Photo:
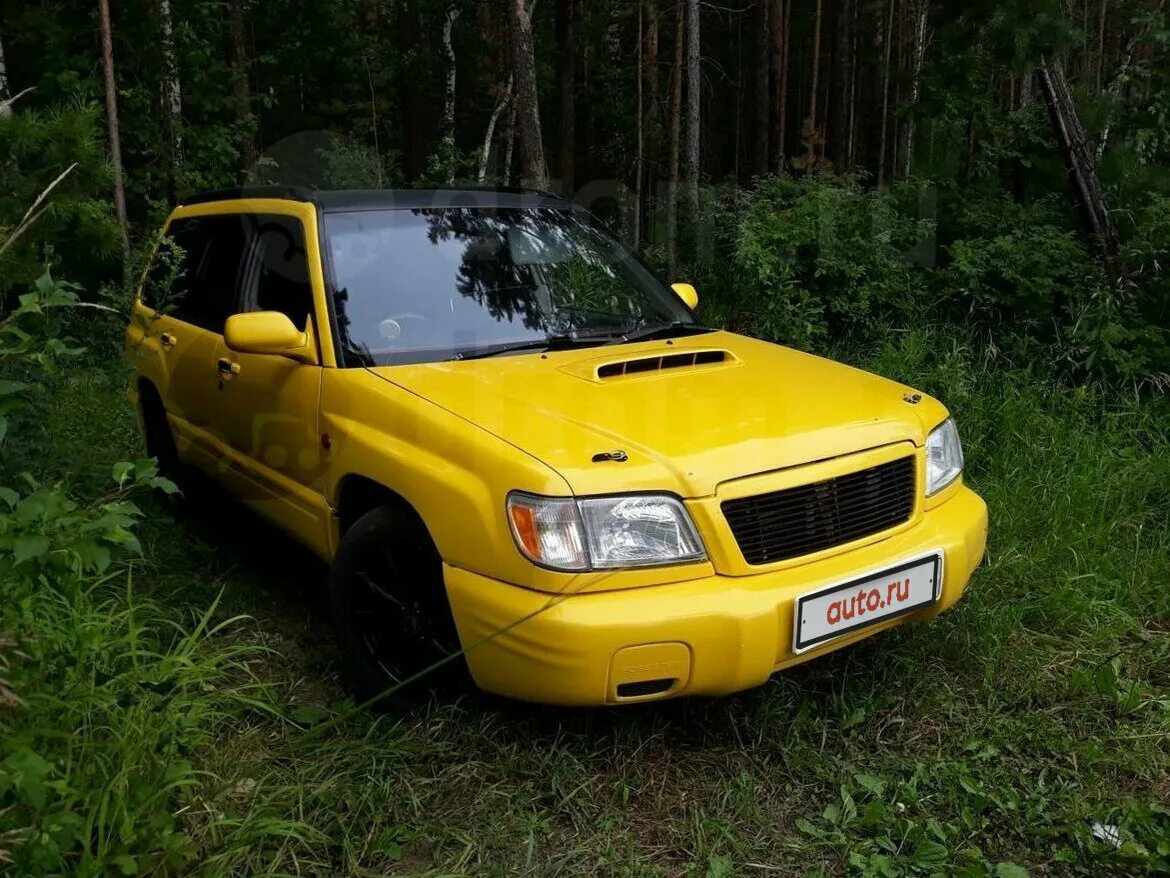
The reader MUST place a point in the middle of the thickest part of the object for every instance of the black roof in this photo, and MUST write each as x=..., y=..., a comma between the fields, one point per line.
x=330, y=200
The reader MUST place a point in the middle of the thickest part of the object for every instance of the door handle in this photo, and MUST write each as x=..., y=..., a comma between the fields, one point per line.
x=168, y=340
x=227, y=367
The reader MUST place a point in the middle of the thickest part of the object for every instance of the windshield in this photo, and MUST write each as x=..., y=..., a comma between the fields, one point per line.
x=424, y=285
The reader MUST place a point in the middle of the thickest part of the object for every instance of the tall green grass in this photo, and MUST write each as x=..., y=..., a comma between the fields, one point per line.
x=162, y=734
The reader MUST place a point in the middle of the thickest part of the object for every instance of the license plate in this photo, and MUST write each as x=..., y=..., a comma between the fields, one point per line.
x=839, y=609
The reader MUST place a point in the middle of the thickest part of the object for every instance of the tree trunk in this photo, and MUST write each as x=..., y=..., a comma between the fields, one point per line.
x=449, y=103
x=641, y=138
x=921, y=14
x=811, y=122
x=652, y=111
x=1114, y=93
x=763, y=91
x=888, y=39
x=510, y=151
x=837, y=144
x=1104, y=17
x=112, y=125
x=851, y=139
x=533, y=171
x=4, y=92
x=571, y=10
x=172, y=91
x=240, y=88
x=1078, y=157
x=776, y=59
x=504, y=100
x=694, y=118
x=782, y=87
x=676, y=88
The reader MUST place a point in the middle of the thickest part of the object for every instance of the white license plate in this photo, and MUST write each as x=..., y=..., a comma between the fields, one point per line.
x=839, y=609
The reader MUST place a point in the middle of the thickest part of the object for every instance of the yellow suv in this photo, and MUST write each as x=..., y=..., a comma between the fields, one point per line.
x=507, y=435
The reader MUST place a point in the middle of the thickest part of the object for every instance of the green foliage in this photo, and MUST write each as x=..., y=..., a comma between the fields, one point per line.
x=817, y=256
x=1014, y=264
x=78, y=232
x=30, y=343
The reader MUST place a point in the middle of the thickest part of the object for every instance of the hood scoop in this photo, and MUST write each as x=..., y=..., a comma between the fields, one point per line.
x=681, y=360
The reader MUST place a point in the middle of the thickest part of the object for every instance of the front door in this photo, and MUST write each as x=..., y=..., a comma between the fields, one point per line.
x=268, y=404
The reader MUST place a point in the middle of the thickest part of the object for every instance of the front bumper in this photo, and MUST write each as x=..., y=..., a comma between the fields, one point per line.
x=712, y=636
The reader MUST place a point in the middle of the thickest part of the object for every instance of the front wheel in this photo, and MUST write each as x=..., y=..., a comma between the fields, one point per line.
x=390, y=607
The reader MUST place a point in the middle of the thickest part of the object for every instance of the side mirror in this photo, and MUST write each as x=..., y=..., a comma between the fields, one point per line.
x=267, y=332
x=688, y=294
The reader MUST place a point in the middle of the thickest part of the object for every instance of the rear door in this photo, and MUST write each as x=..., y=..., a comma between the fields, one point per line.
x=187, y=310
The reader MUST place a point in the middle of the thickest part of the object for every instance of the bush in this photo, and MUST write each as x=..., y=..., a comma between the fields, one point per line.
x=818, y=257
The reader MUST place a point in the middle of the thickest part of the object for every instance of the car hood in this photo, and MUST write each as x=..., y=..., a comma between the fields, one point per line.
x=687, y=414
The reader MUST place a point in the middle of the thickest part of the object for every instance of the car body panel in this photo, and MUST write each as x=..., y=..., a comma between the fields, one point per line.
x=685, y=430
x=736, y=631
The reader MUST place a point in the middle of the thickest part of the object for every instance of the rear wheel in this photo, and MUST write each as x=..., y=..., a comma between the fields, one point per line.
x=390, y=606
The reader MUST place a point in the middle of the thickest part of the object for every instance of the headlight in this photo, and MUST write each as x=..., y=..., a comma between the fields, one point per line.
x=603, y=533
x=944, y=457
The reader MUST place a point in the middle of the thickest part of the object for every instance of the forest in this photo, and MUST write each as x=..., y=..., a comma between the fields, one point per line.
x=972, y=198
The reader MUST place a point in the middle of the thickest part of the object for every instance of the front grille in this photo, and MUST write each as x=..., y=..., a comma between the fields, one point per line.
x=811, y=518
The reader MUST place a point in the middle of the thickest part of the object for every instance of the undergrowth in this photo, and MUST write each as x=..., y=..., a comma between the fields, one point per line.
x=181, y=712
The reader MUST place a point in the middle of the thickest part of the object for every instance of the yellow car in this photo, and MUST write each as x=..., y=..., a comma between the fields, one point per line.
x=506, y=435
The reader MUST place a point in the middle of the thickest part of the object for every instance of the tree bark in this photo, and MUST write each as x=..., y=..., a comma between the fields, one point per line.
x=172, y=91
x=571, y=11
x=4, y=92
x=837, y=142
x=676, y=89
x=449, y=103
x=533, y=171
x=240, y=88
x=888, y=39
x=111, y=89
x=1078, y=157
x=694, y=118
x=763, y=91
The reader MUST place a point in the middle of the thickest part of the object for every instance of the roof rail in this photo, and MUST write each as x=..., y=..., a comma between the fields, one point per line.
x=287, y=193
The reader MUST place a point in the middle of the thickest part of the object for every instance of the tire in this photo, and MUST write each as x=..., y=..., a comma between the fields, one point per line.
x=160, y=442
x=390, y=608
x=195, y=489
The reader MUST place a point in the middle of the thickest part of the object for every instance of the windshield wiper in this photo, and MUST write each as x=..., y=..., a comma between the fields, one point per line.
x=663, y=330
x=557, y=342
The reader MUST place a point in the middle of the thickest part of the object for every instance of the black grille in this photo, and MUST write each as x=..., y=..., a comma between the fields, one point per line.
x=812, y=518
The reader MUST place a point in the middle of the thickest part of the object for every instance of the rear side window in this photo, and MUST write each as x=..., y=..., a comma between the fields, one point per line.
x=278, y=274
x=204, y=284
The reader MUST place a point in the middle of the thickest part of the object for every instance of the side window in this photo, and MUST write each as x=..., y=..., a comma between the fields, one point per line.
x=204, y=290
x=278, y=275
x=168, y=281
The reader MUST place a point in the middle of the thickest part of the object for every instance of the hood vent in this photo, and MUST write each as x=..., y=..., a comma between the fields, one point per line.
x=657, y=364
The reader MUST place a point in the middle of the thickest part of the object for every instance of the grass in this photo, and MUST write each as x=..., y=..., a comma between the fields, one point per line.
x=987, y=743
